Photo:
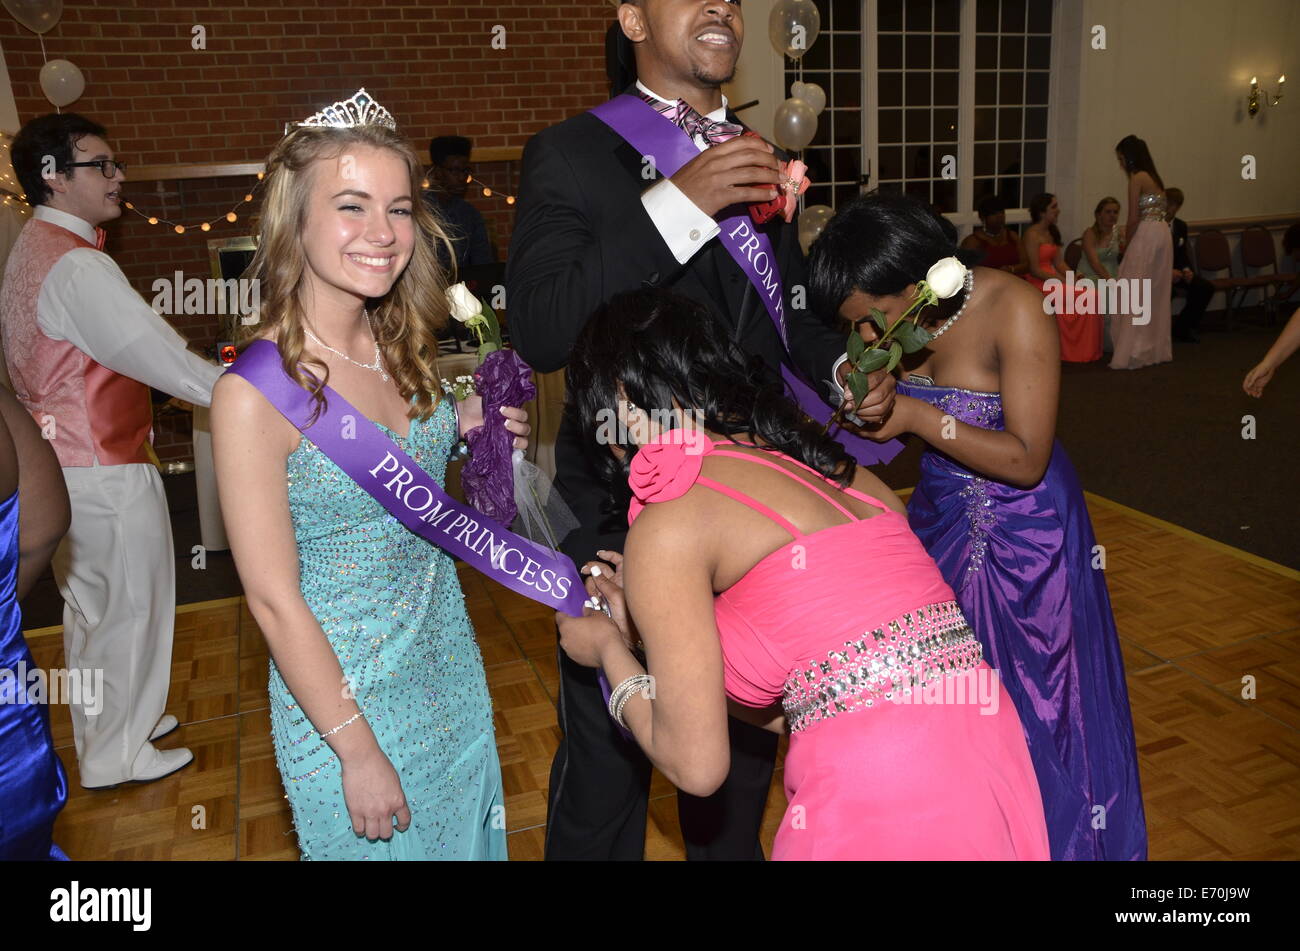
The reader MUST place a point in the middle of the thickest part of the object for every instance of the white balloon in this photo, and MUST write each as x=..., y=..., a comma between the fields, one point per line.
x=794, y=26
x=814, y=95
x=37, y=15
x=812, y=222
x=797, y=91
x=795, y=124
x=62, y=82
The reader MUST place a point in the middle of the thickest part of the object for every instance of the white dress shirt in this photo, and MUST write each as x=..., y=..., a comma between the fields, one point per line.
x=684, y=227
x=87, y=301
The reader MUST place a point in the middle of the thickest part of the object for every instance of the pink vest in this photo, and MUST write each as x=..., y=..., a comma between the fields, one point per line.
x=95, y=413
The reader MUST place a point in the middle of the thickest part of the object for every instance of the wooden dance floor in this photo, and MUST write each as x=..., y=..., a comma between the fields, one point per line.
x=1220, y=773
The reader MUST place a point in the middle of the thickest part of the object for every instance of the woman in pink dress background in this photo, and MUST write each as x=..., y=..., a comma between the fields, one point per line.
x=1143, y=336
x=773, y=580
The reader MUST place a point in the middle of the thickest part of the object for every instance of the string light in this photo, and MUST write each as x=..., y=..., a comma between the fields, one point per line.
x=179, y=228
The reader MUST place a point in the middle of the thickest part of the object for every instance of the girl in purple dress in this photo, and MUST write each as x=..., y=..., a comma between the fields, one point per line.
x=1000, y=509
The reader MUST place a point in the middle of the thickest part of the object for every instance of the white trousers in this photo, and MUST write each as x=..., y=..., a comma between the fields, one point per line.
x=116, y=571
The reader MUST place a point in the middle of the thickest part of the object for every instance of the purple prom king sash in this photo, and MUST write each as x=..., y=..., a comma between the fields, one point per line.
x=413, y=497
x=651, y=133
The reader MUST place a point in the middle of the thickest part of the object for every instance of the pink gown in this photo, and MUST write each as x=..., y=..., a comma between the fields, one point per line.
x=1144, y=339
x=903, y=743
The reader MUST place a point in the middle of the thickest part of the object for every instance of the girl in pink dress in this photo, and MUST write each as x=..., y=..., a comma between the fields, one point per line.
x=770, y=578
x=1144, y=336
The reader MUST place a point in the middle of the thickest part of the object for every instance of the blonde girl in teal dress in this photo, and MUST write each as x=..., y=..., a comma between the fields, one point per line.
x=380, y=710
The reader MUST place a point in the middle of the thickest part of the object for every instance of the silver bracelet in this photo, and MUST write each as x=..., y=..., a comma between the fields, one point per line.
x=350, y=720
x=621, y=694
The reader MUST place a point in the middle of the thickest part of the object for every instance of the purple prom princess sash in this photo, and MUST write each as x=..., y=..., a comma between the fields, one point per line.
x=651, y=133
x=412, y=496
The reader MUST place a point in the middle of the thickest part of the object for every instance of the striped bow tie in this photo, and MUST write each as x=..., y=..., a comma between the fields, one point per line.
x=689, y=120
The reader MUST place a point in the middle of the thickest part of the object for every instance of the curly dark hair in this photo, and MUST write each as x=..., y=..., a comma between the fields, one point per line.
x=658, y=350
x=55, y=135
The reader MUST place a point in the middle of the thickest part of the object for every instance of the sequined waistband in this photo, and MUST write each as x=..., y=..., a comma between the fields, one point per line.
x=908, y=652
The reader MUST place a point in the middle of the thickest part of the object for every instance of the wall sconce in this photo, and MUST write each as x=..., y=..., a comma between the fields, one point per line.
x=1253, y=100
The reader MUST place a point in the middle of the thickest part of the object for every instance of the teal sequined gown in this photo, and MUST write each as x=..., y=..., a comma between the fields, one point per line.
x=391, y=605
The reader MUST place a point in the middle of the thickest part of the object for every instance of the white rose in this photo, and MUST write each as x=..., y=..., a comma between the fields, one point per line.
x=946, y=277
x=464, y=305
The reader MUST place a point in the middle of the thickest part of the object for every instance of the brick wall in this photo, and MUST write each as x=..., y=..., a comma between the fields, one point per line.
x=431, y=64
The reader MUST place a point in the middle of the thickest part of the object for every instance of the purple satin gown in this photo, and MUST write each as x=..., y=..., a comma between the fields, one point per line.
x=1020, y=562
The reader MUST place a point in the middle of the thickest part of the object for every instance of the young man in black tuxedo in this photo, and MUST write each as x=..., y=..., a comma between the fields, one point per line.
x=595, y=219
x=1198, y=290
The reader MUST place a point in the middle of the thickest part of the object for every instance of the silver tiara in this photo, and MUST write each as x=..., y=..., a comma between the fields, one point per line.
x=361, y=109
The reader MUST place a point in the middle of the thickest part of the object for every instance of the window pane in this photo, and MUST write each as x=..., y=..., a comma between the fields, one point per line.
x=819, y=167
x=1011, y=87
x=918, y=16
x=986, y=124
x=1036, y=88
x=1035, y=123
x=1013, y=52
x=891, y=125
x=1040, y=18
x=986, y=16
x=918, y=52
x=1035, y=158
x=947, y=52
x=986, y=159
x=846, y=50
x=848, y=125
x=1034, y=186
x=1009, y=123
x=817, y=195
x=919, y=190
x=890, y=89
x=916, y=161
x=889, y=50
x=986, y=89
x=983, y=187
x=889, y=15
x=945, y=125
x=986, y=52
x=845, y=90
x=821, y=79
x=847, y=16
x=947, y=16
x=918, y=88
x=1009, y=158
x=945, y=195
x=918, y=125
x=845, y=194
x=818, y=55
x=1040, y=52
x=891, y=188
x=891, y=162
x=946, y=88
x=848, y=165
x=1013, y=16
x=823, y=134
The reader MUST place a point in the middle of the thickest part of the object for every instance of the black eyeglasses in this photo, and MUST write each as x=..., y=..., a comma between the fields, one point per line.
x=108, y=166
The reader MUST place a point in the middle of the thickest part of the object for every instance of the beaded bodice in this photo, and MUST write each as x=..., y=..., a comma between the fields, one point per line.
x=966, y=406
x=1152, y=207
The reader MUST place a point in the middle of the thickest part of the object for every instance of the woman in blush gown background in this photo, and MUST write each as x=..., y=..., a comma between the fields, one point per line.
x=1144, y=336
x=1000, y=508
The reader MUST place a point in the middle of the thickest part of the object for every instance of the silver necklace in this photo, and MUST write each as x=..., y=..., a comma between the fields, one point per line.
x=969, y=284
x=377, y=366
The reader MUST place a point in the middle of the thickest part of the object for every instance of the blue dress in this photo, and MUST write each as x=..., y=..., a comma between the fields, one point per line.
x=392, y=608
x=33, y=786
x=1022, y=564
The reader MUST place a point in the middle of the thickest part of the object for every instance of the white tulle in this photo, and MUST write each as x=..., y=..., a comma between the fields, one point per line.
x=543, y=517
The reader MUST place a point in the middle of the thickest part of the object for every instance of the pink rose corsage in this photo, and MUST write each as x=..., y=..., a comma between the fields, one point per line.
x=666, y=468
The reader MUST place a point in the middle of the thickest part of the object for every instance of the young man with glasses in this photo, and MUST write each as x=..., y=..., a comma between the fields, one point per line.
x=83, y=348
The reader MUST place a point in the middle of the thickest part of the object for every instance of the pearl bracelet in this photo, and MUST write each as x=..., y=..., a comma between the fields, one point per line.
x=350, y=720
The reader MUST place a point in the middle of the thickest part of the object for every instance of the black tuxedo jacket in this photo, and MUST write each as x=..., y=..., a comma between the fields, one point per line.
x=582, y=236
x=1178, y=227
